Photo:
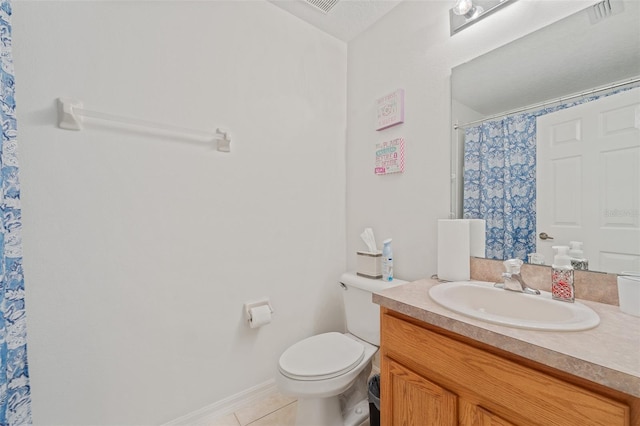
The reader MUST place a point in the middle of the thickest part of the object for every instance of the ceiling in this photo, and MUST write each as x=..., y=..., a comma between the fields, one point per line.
x=345, y=21
x=573, y=55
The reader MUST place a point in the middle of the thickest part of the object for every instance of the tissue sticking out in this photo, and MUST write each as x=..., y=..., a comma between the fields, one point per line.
x=369, y=240
x=369, y=263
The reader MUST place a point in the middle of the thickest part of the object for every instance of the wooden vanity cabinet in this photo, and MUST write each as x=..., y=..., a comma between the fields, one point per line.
x=430, y=376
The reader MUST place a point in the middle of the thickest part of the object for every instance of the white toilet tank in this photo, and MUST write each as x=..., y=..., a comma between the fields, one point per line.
x=363, y=316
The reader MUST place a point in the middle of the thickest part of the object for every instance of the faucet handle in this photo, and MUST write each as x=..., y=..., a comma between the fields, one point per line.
x=513, y=266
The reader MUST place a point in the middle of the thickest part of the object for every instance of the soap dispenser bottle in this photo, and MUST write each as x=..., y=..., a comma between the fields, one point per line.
x=387, y=260
x=578, y=262
x=562, y=287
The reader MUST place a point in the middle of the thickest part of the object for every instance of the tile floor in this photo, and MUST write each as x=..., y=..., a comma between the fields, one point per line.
x=274, y=410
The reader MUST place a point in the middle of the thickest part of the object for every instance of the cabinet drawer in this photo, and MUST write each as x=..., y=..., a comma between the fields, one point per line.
x=512, y=391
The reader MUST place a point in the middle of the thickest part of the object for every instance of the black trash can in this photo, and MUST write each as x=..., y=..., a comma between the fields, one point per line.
x=374, y=400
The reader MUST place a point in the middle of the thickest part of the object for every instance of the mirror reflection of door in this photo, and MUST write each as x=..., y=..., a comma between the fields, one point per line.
x=588, y=181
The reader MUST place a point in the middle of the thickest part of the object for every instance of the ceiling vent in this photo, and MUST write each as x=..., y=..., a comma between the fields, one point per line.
x=604, y=9
x=322, y=5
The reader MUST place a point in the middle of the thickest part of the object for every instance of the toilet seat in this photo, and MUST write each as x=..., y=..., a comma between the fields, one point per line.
x=320, y=357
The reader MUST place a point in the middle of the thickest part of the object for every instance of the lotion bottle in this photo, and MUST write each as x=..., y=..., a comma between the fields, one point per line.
x=387, y=261
x=562, y=287
x=578, y=262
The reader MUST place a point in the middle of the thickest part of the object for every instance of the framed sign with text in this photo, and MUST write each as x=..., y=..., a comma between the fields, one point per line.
x=390, y=110
x=390, y=157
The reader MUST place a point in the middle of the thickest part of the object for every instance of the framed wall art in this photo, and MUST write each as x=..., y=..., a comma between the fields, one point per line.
x=390, y=110
x=390, y=157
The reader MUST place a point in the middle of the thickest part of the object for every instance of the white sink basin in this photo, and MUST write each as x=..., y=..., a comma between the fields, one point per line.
x=482, y=301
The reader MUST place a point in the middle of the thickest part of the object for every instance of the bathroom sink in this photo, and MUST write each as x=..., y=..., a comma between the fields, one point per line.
x=481, y=300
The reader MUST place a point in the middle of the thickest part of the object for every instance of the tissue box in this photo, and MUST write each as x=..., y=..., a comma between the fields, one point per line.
x=369, y=264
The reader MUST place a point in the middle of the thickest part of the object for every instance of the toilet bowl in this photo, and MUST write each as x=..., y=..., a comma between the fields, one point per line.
x=328, y=372
x=339, y=361
x=330, y=375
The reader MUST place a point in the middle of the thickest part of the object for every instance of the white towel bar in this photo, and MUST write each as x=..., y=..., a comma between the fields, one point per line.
x=70, y=113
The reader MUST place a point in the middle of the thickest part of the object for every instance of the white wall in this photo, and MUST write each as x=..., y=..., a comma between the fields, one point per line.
x=411, y=49
x=140, y=250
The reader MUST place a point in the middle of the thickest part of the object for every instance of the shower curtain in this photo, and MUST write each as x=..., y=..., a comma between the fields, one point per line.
x=15, y=399
x=500, y=179
x=500, y=184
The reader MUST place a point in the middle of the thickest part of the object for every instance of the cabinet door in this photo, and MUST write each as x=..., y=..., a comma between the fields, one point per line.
x=516, y=392
x=411, y=400
x=474, y=415
x=487, y=418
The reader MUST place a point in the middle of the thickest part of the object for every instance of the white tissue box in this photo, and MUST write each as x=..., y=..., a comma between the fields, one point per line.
x=369, y=264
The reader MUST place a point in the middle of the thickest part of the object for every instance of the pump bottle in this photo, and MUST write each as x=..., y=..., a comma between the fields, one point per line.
x=577, y=256
x=562, y=287
x=387, y=261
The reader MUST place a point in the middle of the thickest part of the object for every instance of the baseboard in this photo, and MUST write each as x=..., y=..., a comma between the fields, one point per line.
x=228, y=405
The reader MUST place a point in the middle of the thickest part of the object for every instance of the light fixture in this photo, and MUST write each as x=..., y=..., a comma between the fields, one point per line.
x=467, y=9
x=468, y=12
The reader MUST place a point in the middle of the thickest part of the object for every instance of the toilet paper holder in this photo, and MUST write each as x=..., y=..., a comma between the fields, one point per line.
x=250, y=305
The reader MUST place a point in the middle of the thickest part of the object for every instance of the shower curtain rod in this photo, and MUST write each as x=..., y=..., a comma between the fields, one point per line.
x=457, y=126
x=70, y=113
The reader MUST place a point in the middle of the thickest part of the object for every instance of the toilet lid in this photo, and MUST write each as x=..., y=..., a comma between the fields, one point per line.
x=321, y=357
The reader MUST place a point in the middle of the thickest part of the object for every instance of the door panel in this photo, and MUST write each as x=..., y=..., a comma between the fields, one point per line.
x=588, y=181
x=487, y=418
x=416, y=401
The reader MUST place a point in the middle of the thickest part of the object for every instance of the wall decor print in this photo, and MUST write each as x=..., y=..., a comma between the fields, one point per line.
x=390, y=109
x=390, y=157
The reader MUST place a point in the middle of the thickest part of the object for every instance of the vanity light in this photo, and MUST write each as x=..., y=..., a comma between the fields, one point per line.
x=462, y=7
x=467, y=9
x=468, y=12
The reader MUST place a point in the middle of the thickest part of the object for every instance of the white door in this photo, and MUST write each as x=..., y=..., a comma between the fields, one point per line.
x=588, y=181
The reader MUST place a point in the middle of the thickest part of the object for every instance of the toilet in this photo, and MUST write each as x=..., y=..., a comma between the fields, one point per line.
x=320, y=370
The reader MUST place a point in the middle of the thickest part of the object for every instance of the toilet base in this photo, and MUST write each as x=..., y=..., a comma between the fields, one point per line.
x=358, y=414
x=318, y=411
x=327, y=412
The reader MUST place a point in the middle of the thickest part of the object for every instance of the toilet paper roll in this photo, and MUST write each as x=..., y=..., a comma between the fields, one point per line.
x=629, y=294
x=477, y=240
x=453, y=250
x=260, y=315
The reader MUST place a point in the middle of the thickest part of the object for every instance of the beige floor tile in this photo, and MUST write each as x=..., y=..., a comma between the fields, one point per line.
x=229, y=420
x=285, y=416
x=262, y=408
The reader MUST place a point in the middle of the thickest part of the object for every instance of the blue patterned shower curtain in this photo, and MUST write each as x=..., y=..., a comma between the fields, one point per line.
x=500, y=184
x=15, y=398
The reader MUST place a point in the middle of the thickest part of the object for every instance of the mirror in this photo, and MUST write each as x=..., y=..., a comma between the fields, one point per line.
x=586, y=54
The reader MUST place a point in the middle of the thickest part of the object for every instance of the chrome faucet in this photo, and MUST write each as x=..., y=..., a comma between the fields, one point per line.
x=513, y=280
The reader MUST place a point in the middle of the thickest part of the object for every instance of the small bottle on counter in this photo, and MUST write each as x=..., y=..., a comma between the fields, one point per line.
x=578, y=262
x=562, y=287
x=387, y=261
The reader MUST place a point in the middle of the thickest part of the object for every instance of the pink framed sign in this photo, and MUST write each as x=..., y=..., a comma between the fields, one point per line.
x=390, y=110
x=390, y=157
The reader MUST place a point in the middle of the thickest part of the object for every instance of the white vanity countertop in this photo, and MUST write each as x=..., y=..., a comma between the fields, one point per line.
x=608, y=354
